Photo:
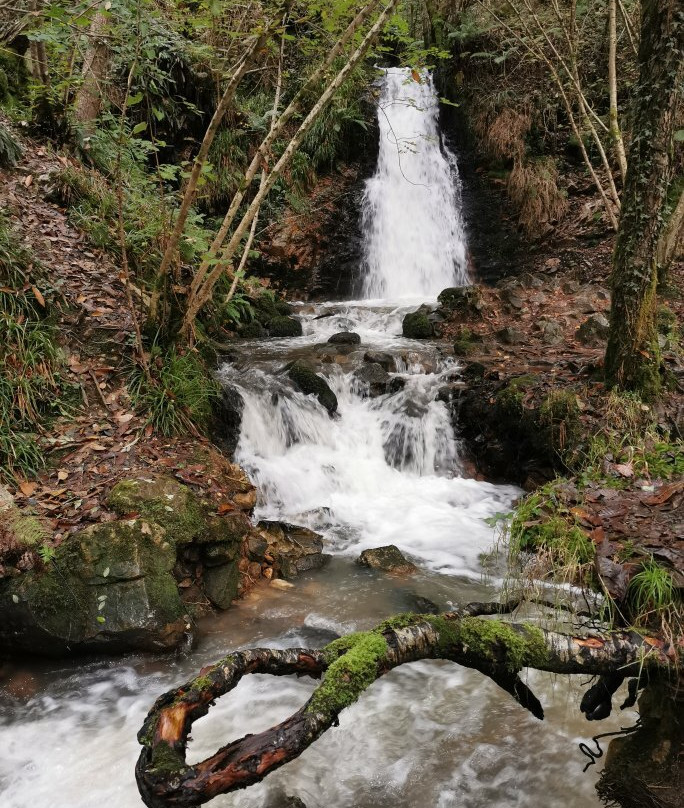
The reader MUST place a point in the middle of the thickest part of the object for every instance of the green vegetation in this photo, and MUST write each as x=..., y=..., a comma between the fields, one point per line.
x=30, y=360
x=652, y=596
x=177, y=395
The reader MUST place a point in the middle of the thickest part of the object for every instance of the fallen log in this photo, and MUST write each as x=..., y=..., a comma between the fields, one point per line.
x=497, y=648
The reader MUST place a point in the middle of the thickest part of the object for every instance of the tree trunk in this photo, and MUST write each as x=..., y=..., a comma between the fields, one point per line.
x=632, y=355
x=498, y=649
x=191, y=187
x=89, y=96
x=671, y=244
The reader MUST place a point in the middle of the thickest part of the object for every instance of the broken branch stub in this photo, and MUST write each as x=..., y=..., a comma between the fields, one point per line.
x=497, y=648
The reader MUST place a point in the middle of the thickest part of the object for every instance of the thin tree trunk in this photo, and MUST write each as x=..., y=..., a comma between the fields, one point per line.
x=632, y=356
x=191, y=187
x=671, y=244
x=498, y=649
x=202, y=294
x=262, y=153
x=39, y=61
x=615, y=132
x=95, y=65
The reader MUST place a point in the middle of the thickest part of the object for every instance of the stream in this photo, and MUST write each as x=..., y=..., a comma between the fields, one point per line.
x=385, y=469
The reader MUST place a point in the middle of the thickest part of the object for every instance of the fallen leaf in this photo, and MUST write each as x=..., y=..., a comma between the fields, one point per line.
x=27, y=488
x=62, y=475
x=28, y=181
x=589, y=642
x=39, y=297
x=624, y=469
x=226, y=507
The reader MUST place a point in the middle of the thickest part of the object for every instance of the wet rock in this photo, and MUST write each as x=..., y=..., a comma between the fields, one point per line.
x=465, y=299
x=219, y=553
x=226, y=420
x=417, y=324
x=345, y=338
x=284, y=327
x=221, y=584
x=511, y=335
x=373, y=379
x=420, y=604
x=387, y=559
x=306, y=380
x=396, y=384
x=294, y=549
x=108, y=589
x=474, y=370
x=257, y=547
x=385, y=360
x=593, y=331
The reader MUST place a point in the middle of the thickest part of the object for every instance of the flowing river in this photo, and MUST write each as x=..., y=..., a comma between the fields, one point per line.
x=385, y=470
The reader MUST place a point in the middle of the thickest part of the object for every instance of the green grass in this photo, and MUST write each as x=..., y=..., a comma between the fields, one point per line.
x=178, y=395
x=652, y=596
x=31, y=386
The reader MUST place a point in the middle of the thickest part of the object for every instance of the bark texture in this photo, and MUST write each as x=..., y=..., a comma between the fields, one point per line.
x=95, y=65
x=496, y=648
x=632, y=355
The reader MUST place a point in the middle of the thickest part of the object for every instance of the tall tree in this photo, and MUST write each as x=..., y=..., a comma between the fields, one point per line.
x=632, y=355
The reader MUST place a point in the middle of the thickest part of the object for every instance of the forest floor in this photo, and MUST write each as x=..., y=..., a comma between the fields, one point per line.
x=531, y=325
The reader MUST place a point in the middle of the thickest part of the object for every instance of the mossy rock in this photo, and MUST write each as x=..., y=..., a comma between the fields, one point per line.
x=108, y=588
x=461, y=298
x=221, y=584
x=388, y=559
x=310, y=383
x=284, y=327
x=253, y=330
x=417, y=325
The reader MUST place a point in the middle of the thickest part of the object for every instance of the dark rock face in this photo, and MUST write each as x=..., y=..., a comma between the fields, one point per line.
x=284, y=327
x=373, y=378
x=417, y=324
x=511, y=335
x=310, y=383
x=387, y=559
x=345, y=338
x=594, y=330
x=293, y=549
x=227, y=420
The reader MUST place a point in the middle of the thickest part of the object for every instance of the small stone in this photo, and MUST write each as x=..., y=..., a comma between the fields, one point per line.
x=387, y=559
x=279, y=583
x=511, y=335
x=385, y=360
x=593, y=331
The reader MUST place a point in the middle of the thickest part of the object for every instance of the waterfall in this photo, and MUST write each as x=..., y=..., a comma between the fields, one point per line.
x=415, y=242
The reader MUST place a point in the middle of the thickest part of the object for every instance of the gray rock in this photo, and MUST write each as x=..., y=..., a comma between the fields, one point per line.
x=461, y=298
x=511, y=335
x=387, y=559
x=551, y=332
x=594, y=330
x=385, y=360
x=373, y=379
x=345, y=338
x=294, y=549
x=221, y=584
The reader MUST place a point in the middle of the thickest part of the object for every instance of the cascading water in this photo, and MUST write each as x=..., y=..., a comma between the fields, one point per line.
x=415, y=243
x=386, y=470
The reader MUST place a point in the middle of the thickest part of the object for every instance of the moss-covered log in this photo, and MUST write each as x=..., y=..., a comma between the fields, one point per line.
x=497, y=648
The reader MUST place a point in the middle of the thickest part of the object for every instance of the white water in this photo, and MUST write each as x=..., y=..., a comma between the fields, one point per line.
x=415, y=243
x=386, y=470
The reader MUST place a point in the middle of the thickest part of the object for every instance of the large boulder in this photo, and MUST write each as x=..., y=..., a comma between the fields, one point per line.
x=464, y=299
x=107, y=589
x=293, y=549
x=418, y=325
x=309, y=382
x=226, y=421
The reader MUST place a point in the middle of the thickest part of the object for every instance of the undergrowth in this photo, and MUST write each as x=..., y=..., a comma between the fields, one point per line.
x=30, y=361
x=177, y=394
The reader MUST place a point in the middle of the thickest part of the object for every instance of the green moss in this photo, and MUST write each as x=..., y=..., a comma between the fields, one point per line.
x=500, y=641
x=280, y=326
x=167, y=759
x=417, y=325
x=350, y=674
x=559, y=416
x=310, y=383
